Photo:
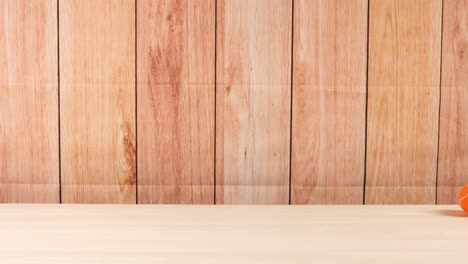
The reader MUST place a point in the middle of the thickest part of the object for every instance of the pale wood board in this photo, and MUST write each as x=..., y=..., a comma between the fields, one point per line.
x=176, y=74
x=253, y=85
x=29, y=152
x=453, y=139
x=97, y=101
x=329, y=101
x=232, y=234
x=403, y=101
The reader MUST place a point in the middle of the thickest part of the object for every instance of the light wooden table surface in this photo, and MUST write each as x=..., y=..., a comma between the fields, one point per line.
x=232, y=234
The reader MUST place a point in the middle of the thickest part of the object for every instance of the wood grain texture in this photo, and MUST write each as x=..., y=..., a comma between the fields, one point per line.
x=329, y=101
x=118, y=234
x=453, y=141
x=253, y=101
x=403, y=101
x=29, y=152
x=97, y=104
x=176, y=74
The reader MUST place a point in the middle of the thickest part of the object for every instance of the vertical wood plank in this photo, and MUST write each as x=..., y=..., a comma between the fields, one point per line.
x=97, y=81
x=453, y=142
x=29, y=159
x=176, y=72
x=329, y=101
x=253, y=101
x=403, y=101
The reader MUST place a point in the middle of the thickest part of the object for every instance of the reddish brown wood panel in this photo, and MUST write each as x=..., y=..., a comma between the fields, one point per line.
x=176, y=73
x=453, y=140
x=329, y=101
x=403, y=101
x=253, y=101
x=29, y=152
x=97, y=101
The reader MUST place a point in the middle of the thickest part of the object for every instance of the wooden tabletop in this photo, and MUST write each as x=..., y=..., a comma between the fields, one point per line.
x=232, y=234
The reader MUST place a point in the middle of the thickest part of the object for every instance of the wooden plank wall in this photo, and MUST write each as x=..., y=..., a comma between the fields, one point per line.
x=97, y=101
x=253, y=85
x=403, y=101
x=453, y=138
x=233, y=101
x=29, y=151
x=329, y=102
x=176, y=63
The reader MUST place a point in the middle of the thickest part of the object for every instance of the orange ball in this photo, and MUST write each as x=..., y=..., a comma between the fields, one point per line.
x=463, y=198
